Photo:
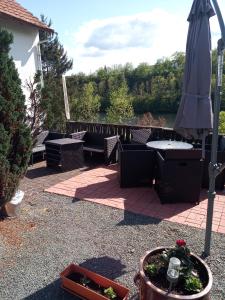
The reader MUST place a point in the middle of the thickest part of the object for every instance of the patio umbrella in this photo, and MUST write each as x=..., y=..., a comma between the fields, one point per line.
x=194, y=116
x=214, y=167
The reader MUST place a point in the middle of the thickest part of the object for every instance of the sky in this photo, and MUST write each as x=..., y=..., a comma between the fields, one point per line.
x=98, y=33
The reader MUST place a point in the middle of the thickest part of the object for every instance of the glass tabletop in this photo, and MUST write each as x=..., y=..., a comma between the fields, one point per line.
x=165, y=144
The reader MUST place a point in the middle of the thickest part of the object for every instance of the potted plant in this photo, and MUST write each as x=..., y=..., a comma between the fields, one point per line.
x=173, y=273
x=11, y=209
x=89, y=285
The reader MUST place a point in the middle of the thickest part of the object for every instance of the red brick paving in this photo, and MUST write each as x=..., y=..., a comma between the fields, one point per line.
x=100, y=185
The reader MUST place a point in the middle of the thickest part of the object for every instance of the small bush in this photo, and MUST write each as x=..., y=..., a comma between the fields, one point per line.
x=151, y=269
x=193, y=284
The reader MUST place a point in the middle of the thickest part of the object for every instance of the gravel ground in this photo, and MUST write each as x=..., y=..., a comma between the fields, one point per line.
x=54, y=231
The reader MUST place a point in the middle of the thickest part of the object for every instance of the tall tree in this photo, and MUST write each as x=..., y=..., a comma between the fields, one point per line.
x=55, y=63
x=54, y=58
x=120, y=108
x=86, y=106
x=53, y=104
x=15, y=139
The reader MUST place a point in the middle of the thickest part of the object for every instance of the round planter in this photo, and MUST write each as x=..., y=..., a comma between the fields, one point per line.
x=148, y=291
x=12, y=208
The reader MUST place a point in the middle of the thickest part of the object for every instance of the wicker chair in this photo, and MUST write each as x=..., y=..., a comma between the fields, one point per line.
x=140, y=136
x=179, y=175
x=136, y=165
x=39, y=145
x=220, y=179
x=99, y=143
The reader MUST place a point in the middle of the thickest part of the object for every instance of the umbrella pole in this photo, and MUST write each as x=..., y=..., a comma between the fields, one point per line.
x=214, y=168
x=220, y=19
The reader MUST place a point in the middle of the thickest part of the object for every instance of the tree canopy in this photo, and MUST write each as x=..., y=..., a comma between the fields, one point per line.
x=151, y=88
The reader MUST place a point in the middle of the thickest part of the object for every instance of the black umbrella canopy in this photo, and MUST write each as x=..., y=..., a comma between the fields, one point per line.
x=194, y=116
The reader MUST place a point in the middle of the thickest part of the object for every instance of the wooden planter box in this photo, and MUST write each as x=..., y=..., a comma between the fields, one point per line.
x=84, y=292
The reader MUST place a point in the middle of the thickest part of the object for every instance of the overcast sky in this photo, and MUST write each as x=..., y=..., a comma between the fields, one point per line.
x=96, y=33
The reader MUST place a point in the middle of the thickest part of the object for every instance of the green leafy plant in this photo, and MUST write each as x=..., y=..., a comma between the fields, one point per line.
x=110, y=293
x=85, y=281
x=182, y=252
x=188, y=279
x=193, y=284
x=151, y=269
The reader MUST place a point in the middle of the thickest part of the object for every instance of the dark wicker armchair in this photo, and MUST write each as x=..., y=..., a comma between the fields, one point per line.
x=179, y=175
x=99, y=143
x=39, y=144
x=136, y=165
x=220, y=179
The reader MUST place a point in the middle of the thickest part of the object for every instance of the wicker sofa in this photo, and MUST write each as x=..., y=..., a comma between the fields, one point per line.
x=136, y=165
x=179, y=175
x=99, y=143
x=220, y=179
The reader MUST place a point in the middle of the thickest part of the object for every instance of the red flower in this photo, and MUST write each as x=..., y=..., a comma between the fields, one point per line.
x=181, y=243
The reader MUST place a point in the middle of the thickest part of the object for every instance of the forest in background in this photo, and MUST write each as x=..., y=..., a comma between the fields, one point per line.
x=151, y=88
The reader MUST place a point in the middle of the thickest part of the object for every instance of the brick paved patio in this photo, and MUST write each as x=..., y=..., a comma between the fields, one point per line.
x=100, y=185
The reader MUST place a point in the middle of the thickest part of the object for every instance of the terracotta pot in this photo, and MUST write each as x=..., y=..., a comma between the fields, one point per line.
x=148, y=291
x=84, y=292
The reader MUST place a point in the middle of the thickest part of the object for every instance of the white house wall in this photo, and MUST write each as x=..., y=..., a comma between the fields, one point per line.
x=24, y=49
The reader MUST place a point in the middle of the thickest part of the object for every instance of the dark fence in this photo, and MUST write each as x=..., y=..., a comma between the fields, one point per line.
x=124, y=131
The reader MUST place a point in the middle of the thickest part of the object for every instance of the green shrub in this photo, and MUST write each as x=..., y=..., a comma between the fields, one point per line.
x=86, y=106
x=15, y=139
x=110, y=293
x=193, y=284
x=151, y=269
x=120, y=108
x=222, y=122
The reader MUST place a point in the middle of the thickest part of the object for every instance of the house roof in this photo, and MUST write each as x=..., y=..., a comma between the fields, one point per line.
x=13, y=9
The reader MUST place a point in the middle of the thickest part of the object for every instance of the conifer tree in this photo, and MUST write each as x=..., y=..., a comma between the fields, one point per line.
x=15, y=140
x=55, y=63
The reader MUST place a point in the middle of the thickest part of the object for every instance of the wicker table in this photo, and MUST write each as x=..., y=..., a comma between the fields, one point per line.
x=178, y=171
x=166, y=145
x=65, y=153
